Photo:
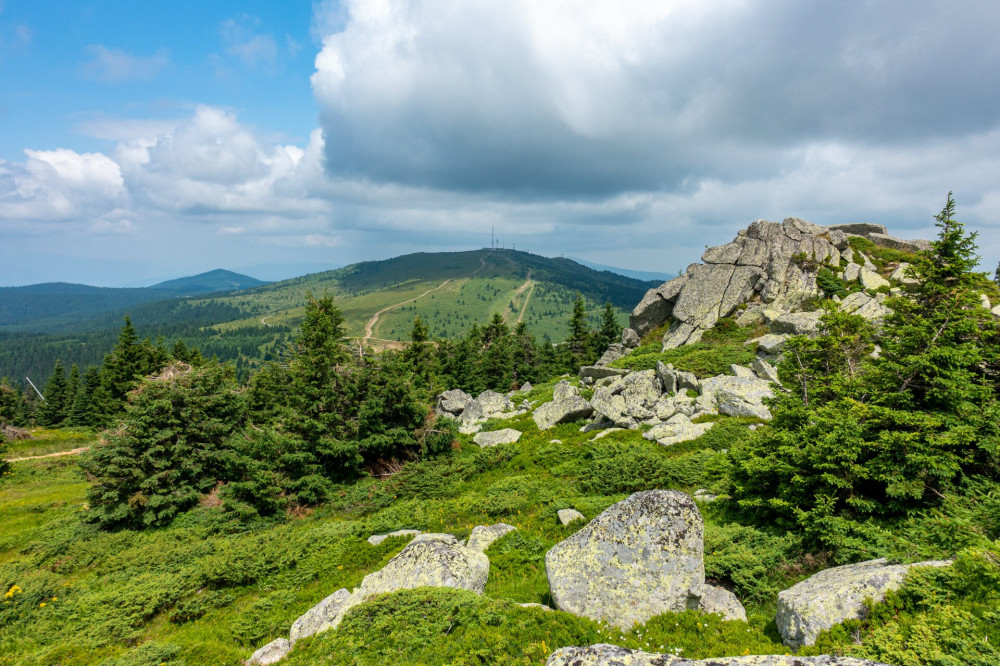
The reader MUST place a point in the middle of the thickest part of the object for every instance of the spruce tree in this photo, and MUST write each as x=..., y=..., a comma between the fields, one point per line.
x=83, y=412
x=419, y=353
x=610, y=331
x=72, y=389
x=52, y=411
x=579, y=333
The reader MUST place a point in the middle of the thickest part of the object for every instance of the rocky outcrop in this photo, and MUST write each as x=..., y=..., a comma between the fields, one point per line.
x=835, y=595
x=486, y=405
x=639, y=558
x=483, y=536
x=271, y=653
x=767, y=263
x=611, y=655
x=494, y=437
x=912, y=246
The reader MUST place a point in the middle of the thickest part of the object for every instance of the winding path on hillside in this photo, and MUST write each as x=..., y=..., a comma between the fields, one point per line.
x=52, y=455
x=528, y=284
x=373, y=322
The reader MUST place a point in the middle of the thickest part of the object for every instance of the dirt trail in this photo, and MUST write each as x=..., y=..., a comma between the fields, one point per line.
x=52, y=455
x=373, y=322
x=527, y=299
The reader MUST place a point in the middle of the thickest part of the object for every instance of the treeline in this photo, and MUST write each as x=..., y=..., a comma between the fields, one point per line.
x=318, y=414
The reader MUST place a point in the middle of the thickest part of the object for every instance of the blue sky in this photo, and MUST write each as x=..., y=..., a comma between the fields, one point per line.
x=147, y=140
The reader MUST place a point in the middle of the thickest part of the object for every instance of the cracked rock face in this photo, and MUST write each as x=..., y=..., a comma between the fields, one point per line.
x=835, y=595
x=640, y=558
x=767, y=260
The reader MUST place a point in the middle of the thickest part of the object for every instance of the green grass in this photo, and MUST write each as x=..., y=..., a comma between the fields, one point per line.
x=43, y=442
x=207, y=589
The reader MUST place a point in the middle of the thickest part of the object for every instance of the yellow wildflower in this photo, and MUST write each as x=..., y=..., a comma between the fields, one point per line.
x=41, y=605
x=15, y=589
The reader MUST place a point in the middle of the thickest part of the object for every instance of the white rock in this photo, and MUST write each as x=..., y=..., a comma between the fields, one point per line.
x=494, y=437
x=567, y=516
x=376, y=539
x=271, y=653
x=483, y=536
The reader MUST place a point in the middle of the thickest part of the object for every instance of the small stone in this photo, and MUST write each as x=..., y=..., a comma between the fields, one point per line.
x=630, y=339
x=483, y=536
x=567, y=516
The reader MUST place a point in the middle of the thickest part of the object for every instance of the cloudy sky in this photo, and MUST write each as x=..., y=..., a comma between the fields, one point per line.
x=147, y=140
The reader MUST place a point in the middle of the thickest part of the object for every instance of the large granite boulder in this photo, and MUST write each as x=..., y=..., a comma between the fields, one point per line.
x=797, y=323
x=430, y=560
x=494, y=437
x=885, y=240
x=835, y=595
x=639, y=558
x=739, y=396
x=271, y=653
x=859, y=228
x=321, y=617
x=561, y=411
x=483, y=536
x=595, y=372
x=872, y=280
x=614, y=352
x=603, y=654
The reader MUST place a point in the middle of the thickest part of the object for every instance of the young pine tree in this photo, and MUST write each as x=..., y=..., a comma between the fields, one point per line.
x=52, y=412
x=579, y=333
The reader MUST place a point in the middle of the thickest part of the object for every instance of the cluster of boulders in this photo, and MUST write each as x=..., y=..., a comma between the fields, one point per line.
x=471, y=412
x=639, y=558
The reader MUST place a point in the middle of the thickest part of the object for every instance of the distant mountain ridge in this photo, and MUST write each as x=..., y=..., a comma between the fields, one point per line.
x=211, y=281
x=50, y=305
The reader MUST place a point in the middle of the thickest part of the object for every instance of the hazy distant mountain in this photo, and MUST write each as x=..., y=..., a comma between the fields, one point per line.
x=206, y=283
x=647, y=276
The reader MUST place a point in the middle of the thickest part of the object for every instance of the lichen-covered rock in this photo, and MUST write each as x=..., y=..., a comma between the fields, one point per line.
x=453, y=402
x=852, y=272
x=639, y=558
x=561, y=411
x=603, y=654
x=859, y=228
x=376, y=539
x=765, y=371
x=320, y=617
x=712, y=599
x=742, y=371
x=596, y=372
x=834, y=595
x=567, y=516
x=678, y=428
x=430, y=560
x=656, y=306
x=630, y=338
x=913, y=246
x=673, y=380
x=494, y=437
x=797, y=323
x=738, y=396
x=872, y=280
x=564, y=390
x=488, y=404
x=863, y=305
x=271, y=653
x=483, y=536
x=614, y=352
x=772, y=343
x=902, y=274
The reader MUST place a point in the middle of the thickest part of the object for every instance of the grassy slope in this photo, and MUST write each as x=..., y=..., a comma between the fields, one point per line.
x=115, y=593
x=468, y=287
x=206, y=590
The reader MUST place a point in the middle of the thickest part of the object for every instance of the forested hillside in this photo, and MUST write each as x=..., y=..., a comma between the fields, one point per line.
x=449, y=291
